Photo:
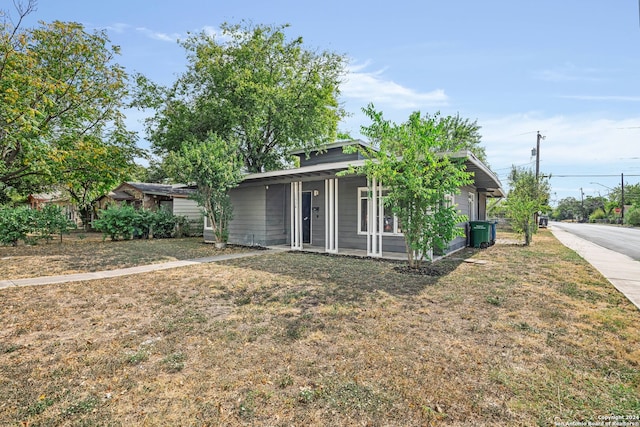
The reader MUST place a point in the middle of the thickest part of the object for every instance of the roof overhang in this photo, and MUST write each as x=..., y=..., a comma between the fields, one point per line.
x=485, y=180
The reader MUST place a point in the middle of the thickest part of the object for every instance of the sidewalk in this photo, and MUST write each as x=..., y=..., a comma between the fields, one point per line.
x=48, y=280
x=622, y=271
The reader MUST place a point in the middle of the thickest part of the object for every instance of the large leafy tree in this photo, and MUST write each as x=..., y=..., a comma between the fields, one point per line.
x=413, y=164
x=60, y=87
x=527, y=196
x=253, y=85
x=92, y=170
x=214, y=166
x=466, y=134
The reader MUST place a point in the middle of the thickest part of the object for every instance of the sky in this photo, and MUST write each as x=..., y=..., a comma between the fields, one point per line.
x=569, y=69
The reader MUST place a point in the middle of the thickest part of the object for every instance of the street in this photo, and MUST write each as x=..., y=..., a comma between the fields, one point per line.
x=623, y=240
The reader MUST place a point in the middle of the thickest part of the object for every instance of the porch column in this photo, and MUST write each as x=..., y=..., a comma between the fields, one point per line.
x=331, y=215
x=375, y=218
x=296, y=215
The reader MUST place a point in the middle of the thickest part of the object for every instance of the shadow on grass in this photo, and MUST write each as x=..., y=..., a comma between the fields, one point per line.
x=314, y=279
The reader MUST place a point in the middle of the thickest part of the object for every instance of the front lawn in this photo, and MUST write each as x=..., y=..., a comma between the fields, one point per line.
x=532, y=336
x=81, y=253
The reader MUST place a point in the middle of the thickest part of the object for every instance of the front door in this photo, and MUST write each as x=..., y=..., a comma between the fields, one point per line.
x=306, y=217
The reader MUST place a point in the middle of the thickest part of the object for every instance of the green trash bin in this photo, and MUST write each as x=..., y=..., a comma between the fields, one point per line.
x=480, y=233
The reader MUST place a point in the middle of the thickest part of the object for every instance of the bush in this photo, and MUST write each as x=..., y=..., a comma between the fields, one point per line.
x=596, y=215
x=51, y=221
x=117, y=222
x=15, y=225
x=31, y=225
x=125, y=222
x=632, y=217
x=163, y=224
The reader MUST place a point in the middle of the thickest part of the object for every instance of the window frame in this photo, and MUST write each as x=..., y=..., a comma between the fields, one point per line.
x=207, y=226
x=360, y=223
x=472, y=206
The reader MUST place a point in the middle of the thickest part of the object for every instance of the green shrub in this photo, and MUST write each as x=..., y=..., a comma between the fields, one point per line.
x=142, y=223
x=31, y=225
x=596, y=215
x=117, y=222
x=125, y=222
x=15, y=225
x=51, y=221
x=632, y=217
x=163, y=224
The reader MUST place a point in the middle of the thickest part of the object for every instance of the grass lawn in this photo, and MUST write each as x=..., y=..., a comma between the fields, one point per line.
x=80, y=252
x=532, y=336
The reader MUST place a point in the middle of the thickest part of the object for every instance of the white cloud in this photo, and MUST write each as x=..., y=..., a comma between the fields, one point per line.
x=578, y=150
x=211, y=31
x=173, y=37
x=118, y=27
x=571, y=143
x=371, y=86
x=569, y=72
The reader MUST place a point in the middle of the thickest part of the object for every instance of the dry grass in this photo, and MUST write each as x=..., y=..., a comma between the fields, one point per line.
x=80, y=252
x=532, y=337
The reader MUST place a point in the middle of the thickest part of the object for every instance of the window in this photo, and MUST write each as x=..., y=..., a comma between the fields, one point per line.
x=207, y=223
x=449, y=200
x=472, y=206
x=390, y=223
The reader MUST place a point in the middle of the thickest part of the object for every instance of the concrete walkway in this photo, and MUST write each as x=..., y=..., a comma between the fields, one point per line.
x=48, y=280
x=622, y=271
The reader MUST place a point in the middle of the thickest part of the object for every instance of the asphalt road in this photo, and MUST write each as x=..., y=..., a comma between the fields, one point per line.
x=623, y=240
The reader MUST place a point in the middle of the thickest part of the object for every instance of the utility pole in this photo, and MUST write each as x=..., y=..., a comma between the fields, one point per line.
x=537, y=150
x=582, y=204
x=539, y=137
x=622, y=197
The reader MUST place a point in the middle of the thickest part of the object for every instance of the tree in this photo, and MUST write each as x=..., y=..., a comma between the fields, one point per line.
x=214, y=166
x=59, y=87
x=467, y=134
x=252, y=85
x=526, y=197
x=567, y=208
x=631, y=194
x=412, y=163
x=92, y=170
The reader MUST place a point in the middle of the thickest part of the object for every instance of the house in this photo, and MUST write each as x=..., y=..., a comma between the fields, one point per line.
x=172, y=197
x=58, y=198
x=310, y=206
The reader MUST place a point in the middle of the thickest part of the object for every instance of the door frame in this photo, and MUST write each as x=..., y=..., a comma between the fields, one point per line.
x=307, y=213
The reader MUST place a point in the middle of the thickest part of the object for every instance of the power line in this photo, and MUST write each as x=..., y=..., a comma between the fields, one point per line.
x=587, y=176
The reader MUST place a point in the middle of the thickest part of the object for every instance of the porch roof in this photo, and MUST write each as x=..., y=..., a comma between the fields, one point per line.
x=484, y=179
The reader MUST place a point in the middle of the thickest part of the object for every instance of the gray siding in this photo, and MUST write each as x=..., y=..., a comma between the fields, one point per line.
x=330, y=156
x=262, y=215
x=248, y=224
x=462, y=200
x=190, y=209
x=277, y=212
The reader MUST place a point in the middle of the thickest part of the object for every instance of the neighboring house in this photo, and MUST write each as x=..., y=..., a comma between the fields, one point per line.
x=174, y=198
x=58, y=198
x=311, y=206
